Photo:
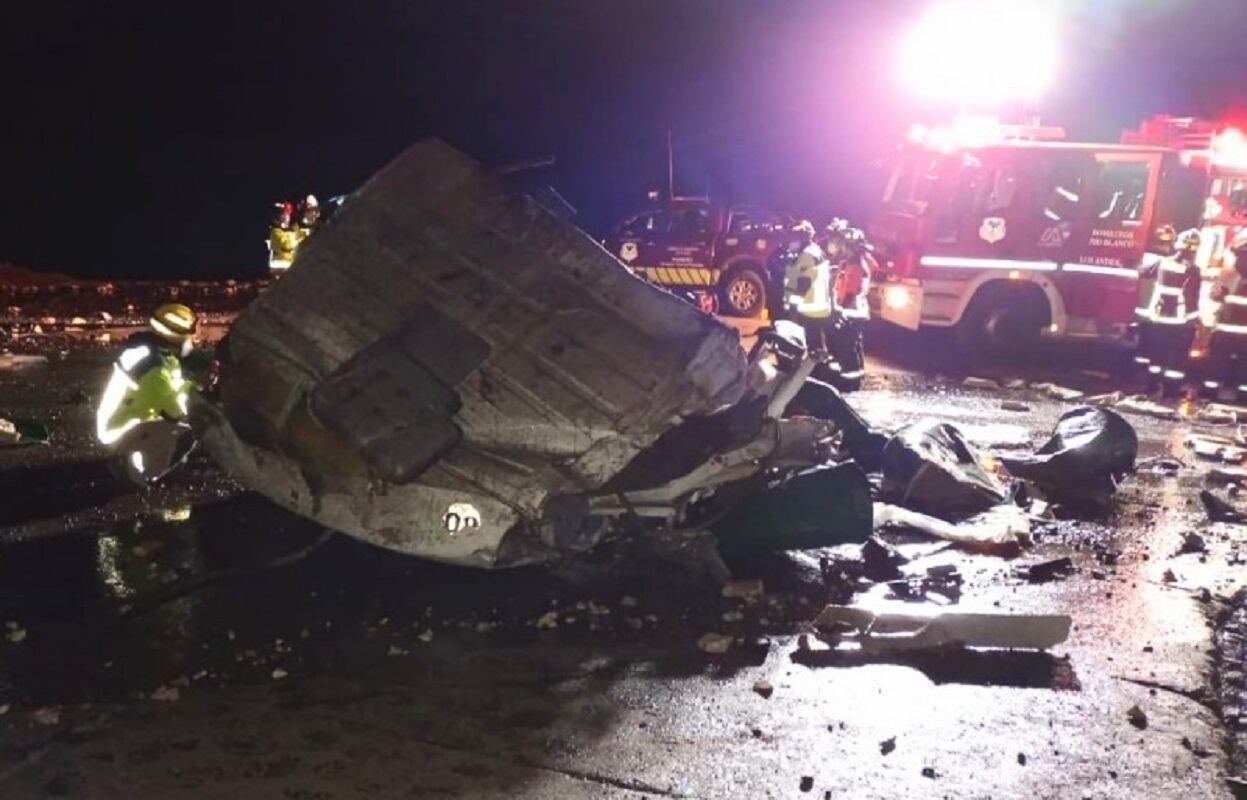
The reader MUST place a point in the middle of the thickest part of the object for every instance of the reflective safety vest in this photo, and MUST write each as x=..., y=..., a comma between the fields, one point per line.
x=146, y=384
x=807, y=283
x=1232, y=316
x=850, y=288
x=283, y=244
x=1171, y=297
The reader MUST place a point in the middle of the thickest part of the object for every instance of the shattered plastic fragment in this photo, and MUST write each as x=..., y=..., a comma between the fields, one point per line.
x=1141, y=405
x=888, y=632
x=1001, y=530
x=1058, y=392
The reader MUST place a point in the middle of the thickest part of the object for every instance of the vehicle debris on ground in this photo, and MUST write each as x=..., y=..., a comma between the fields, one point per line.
x=883, y=632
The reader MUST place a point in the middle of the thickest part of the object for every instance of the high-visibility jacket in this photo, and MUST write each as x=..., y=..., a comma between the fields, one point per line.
x=146, y=384
x=807, y=283
x=1232, y=315
x=283, y=245
x=1169, y=292
x=850, y=288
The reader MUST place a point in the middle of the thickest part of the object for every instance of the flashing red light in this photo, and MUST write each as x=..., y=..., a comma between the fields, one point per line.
x=1229, y=149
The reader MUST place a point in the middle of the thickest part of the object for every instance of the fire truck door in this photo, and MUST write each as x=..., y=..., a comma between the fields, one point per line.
x=1109, y=236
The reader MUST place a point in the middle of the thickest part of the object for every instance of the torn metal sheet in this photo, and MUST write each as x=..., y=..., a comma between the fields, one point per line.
x=450, y=368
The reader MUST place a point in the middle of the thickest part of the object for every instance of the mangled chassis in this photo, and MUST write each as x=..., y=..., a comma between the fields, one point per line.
x=452, y=372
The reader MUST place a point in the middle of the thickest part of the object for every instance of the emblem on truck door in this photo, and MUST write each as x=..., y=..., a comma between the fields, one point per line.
x=992, y=230
x=627, y=252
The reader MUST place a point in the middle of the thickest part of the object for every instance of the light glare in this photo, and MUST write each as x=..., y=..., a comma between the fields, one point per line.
x=982, y=52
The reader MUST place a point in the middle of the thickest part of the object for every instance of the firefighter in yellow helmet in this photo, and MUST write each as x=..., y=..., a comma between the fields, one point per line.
x=141, y=415
x=1168, y=311
x=807, y=290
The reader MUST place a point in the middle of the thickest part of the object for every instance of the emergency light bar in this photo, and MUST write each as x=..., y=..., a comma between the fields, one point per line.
x=972, y=130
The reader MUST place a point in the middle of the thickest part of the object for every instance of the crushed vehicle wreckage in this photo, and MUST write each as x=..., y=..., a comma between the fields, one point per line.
x=455, y=373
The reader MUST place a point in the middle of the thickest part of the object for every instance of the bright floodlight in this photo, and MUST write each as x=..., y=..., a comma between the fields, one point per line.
x=982, y=52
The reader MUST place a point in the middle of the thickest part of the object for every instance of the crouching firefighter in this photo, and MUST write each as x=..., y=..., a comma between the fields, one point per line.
x=141, y=416
x=1168, y=313
x=807, y=295
x=1228, y=343
x=854, y=265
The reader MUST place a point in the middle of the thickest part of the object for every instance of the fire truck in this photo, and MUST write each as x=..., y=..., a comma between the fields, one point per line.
x=719, y=253
x=1008, y=233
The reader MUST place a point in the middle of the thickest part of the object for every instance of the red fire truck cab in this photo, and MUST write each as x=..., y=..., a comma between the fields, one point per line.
x=1006, y=233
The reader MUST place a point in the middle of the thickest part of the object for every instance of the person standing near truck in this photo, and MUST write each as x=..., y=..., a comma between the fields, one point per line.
x=1168, y=312
x=852, y=265
x=807, y=291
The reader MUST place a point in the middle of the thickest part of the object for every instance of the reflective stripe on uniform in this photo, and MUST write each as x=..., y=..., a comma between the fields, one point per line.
x=1236, y=300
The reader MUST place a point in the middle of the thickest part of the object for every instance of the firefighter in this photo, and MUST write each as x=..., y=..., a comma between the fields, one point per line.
x=283, y=237
x=1168, y=312
x=850, y=287
x=807, y=291
x=1228, y=343
x=141, y=416
x=309, y=213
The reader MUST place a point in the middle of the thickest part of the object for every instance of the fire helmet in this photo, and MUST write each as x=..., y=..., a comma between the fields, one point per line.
x=175, y=323
x=804, y=227
x=1188, y=241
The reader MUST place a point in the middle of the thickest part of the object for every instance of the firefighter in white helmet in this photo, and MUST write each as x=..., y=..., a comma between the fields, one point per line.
x=1228, y=343
x=807, y=290
x=141, y=415
x=852, y=266
x=1168, y=312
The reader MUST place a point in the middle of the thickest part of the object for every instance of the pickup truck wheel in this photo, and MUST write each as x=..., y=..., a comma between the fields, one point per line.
x=743, y=293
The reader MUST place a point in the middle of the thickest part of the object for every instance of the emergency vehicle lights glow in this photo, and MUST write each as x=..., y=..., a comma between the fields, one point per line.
x=1229, y=149
x=897, y=297
x=981, y=52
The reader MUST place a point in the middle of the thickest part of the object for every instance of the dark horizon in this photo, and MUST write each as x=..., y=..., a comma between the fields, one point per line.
x=151, y=140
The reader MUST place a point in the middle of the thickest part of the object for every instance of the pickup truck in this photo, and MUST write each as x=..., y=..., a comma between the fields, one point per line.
x=720, y=253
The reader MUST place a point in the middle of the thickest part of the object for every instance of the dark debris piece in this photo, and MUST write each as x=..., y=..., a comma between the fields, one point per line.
x=1044, y=571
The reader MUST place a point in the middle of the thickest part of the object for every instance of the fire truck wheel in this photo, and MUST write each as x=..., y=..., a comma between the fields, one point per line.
x=1002, y=322
x=743, y=292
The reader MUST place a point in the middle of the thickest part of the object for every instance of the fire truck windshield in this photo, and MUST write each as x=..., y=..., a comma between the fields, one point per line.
x=912, y=182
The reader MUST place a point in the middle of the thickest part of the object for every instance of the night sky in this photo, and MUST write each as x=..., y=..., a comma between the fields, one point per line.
x=150, y=140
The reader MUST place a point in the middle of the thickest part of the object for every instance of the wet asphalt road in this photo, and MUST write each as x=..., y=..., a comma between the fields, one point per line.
x=355, y=673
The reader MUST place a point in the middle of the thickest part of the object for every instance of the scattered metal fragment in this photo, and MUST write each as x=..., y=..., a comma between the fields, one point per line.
x=980, y=383
x=1136, y=717
x=1219, y=510
x=764, y=689
x=1014, y=405
x=1057, y=392
x=882, y=561
x=1044, y=571
x=999, y=531
x=742, y=590
x=1139, y=404
x=1192, y=542
x=166, y=694
x=887, y=746
x=716, y=643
